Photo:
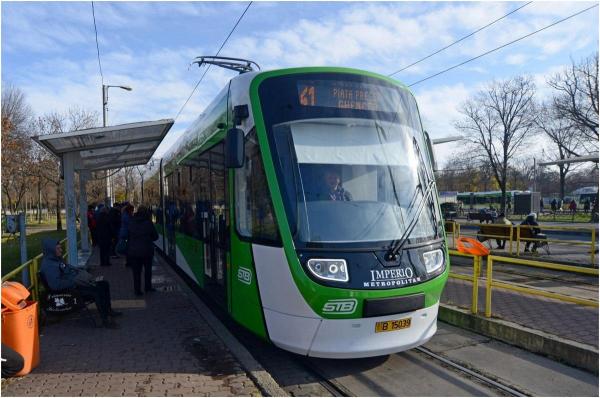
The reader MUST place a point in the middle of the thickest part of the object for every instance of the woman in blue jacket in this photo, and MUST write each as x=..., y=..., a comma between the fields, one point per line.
x=62, y=276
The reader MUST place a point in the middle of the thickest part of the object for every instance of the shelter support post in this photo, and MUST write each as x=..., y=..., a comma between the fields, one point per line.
x=69, y=177
x=83, y=224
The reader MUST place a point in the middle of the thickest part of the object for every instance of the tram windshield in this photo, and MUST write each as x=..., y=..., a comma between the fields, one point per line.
x=356, y=176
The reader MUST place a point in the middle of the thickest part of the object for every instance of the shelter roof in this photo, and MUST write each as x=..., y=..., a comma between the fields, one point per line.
x=109, y=147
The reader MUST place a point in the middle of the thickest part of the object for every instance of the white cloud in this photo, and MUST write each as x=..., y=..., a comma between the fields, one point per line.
x=381, y=37
x=516, y=59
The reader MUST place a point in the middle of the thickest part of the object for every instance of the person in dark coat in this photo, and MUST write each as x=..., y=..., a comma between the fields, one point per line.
x=126, y=214
x=114, y=216
x=104, y=236
x=61, y=276
x=586, y=206
x=531, y=220
x=140, y=249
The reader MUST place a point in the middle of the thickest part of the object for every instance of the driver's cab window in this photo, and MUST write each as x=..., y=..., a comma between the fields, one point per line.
x=255, y=217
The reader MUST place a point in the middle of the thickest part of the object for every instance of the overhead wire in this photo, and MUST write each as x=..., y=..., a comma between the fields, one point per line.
x=97, y=47
x=208, y=67
x=459, y=40
x=502, y=46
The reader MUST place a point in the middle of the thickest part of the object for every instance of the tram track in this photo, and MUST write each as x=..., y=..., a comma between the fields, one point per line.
x=335, y=388
x=304, y=376
x=339, y=390
x=495, y=384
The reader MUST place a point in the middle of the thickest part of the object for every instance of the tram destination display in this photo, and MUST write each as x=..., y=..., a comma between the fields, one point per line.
x=347, y=95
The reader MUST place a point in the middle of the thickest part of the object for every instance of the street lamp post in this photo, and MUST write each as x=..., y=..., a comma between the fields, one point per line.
x=108, y=193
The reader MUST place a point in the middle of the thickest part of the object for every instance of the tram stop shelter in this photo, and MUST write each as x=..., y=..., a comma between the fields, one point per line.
x=98, y=149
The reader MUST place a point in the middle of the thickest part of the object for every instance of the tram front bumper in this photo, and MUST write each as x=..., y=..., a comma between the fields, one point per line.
x=349, y=338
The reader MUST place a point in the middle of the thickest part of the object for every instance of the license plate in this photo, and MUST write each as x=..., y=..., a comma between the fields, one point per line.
x=389, y=326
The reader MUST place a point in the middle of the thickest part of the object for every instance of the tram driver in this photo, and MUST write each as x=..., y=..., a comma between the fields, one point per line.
x=335, y=191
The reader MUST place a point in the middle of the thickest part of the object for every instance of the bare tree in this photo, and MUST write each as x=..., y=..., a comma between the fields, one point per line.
x=576, y=100
x=563, y=135
x=16, y=146
x=48, y=165
x=497, y=121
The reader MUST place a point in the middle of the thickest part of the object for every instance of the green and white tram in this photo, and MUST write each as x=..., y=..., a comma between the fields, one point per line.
x=303, y=200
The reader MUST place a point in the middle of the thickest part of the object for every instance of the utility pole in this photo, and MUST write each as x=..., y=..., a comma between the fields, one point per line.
x=533, y=186
x=108, y=191
x=104, y=117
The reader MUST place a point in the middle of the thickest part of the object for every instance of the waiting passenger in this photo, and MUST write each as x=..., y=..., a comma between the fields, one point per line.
x=61, y=276
x=531, y=220
x=104, y=236
x=502, y=220
x=573, y=207
x=140, y=249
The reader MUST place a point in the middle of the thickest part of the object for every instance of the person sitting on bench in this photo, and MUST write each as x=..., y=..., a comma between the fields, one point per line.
x=61, y=276
x=502, y=220
x=531, y=219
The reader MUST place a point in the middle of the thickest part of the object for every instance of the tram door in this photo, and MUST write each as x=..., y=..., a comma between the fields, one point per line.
x=218, y=220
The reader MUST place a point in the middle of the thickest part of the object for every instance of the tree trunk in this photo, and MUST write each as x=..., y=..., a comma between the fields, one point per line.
x=503, y=198
x=39, y=208
x=563, y=173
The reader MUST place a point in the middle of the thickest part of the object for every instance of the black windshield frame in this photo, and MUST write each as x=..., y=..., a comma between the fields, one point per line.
x=280, y=104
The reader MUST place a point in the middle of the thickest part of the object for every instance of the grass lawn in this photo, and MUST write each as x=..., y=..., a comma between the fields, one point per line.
x=51, y=222
x=11, y=255
x=579, y=217
x=560, y=217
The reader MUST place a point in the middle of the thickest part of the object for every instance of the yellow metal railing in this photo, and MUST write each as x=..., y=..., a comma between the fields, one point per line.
x=591, y=243
x=33, y=266
x=474, y=279
x=490, y=283
x=515, y=234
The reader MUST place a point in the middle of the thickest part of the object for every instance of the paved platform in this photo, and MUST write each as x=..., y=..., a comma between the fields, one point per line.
x=164, y=347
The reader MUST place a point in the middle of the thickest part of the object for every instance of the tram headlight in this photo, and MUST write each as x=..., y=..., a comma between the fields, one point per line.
x=329, y=269
x=433, y=260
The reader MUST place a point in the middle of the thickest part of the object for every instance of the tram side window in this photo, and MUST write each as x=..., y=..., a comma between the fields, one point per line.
x=255, y=217
x=187, y=221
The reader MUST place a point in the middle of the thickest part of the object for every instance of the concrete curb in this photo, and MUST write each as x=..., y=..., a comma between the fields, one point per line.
x=256, y=372
x=567, y=351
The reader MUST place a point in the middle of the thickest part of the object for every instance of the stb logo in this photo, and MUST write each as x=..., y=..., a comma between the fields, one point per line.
x=342, y=306
x=244, y=275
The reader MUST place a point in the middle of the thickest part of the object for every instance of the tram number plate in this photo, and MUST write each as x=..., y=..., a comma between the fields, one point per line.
x=389, y=326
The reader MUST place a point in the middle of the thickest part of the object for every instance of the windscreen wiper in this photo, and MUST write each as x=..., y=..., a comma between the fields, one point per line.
x=392, y=254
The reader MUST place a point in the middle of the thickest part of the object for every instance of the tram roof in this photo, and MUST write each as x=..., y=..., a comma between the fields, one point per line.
x=109, y=147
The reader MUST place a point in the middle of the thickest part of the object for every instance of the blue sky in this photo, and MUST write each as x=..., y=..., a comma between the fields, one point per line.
x=49, y=50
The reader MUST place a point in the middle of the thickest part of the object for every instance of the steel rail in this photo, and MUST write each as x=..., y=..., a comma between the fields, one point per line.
x=479, y=376
x=336, y=389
